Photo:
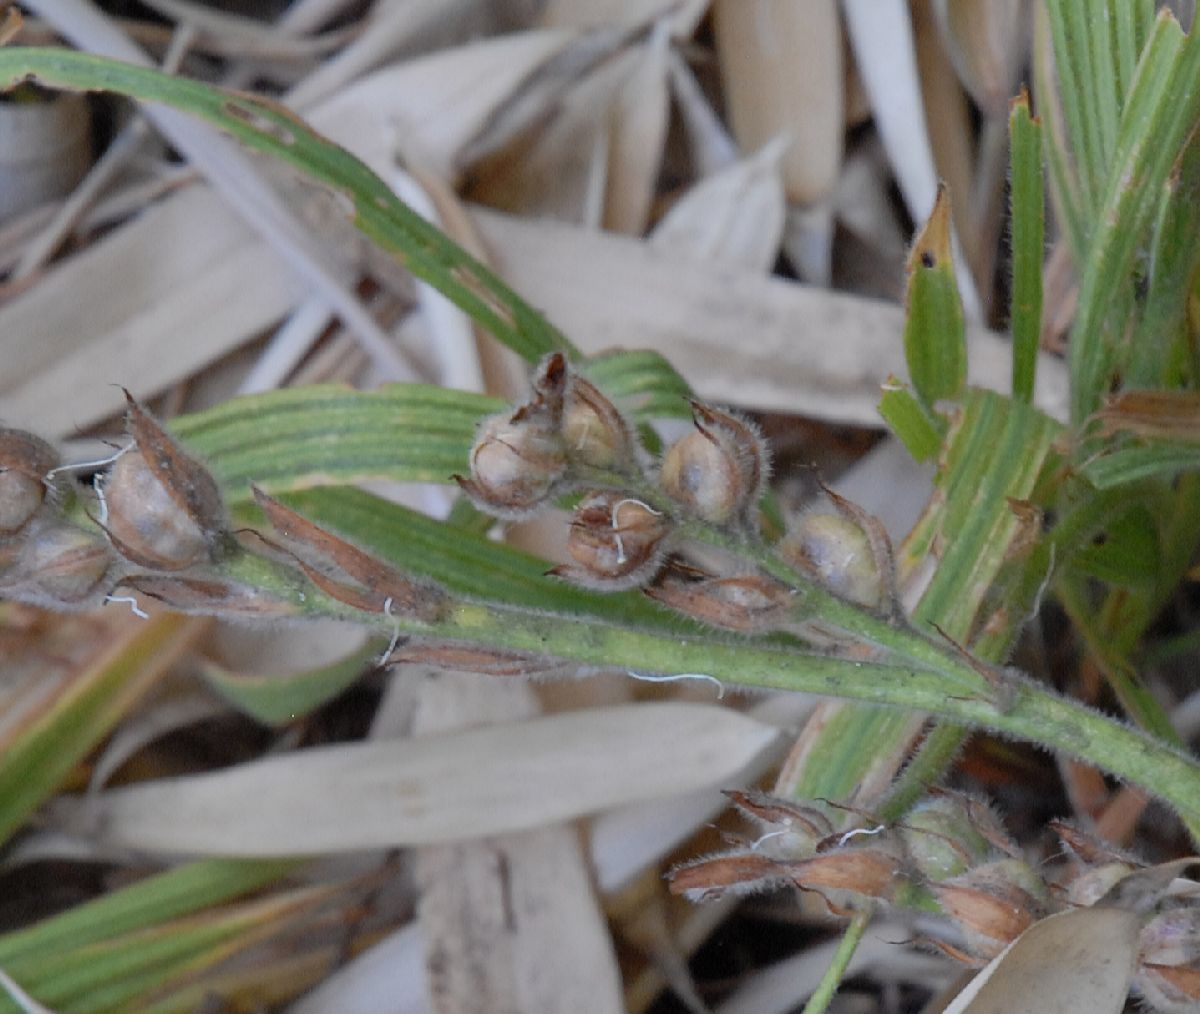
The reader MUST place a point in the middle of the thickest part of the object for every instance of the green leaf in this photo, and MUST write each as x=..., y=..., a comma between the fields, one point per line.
x=1132, y=464
x=1159, y=116
x=935, y=342
x=279, y=698
x=1028, y=239
x=919, y=429
x=1127, y=553
x=156, y=899
x=321, y=435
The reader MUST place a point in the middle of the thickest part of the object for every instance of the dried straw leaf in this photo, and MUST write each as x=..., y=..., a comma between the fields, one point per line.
x=138, y=308
x=1081, y=960
x=735, y=216
x=800, y=349
x=434, y=789
x=637, y=135
x=430, y=109
x=781, y=64
x=987, y=40
x=681, y=16
x=512, y=918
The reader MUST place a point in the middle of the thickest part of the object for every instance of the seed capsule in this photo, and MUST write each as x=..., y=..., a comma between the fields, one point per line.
x=616, y=542
x=718, y=470
x=164, y=509
x=845, y=549
x=593, y=430
x=941, y=839
x=993, y=904
x=58, y=564
x=25, y=461
x=519, y=459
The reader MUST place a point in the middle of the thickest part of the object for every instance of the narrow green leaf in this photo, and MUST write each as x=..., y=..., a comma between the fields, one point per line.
x=1128, y=553
x=642, y=383
x=276, y=131
x=934, y=331
x=1028, y=239
x=1072, y=56
x=1158, y=355
x=919, y=429
x=1133, y=464
x=278, y=698
x=319, y=435
x=1162, y=109
x=156, y=899
x=39, y=756
x=469, y=565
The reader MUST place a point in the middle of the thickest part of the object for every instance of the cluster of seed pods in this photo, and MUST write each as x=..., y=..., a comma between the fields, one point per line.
x=629, y=524
x=952, y=846
x=154, y=511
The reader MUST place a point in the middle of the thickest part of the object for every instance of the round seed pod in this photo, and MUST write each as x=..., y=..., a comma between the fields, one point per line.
x=164, y=509
x=516, y=463
x=941, y=838
x=593, y=430
x=838, y=553
x=146, y=523
x=25, y=461
x=617, y=542
x=717, y=471
x=60, y=564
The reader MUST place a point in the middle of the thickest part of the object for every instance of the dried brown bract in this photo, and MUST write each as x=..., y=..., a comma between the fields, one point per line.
x=750, y=604
x=349, y=574
x=164, y=510
x=717, y=471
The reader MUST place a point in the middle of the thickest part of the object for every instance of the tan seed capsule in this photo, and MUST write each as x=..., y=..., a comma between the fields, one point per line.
x=164, y=510
x=717, y=471
x=837, y=553
x=25, y=462
x=616, y=541
x=593, y=430
x=518, y=459
x=59, y=564
x=749, y=604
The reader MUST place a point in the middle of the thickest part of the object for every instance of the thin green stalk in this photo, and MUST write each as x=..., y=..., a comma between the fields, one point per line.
x=832, y=979
x=1028, y=241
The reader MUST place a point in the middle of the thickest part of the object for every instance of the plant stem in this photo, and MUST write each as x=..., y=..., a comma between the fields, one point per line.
x=819, y=1001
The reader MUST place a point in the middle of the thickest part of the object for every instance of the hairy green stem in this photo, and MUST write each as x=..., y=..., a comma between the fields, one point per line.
x=832, y=979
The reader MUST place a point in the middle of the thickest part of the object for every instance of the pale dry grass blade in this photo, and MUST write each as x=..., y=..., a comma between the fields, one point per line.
x=387, y=976
x=682, y=15
x=511, y=922
x=1079, y=960
x=800, y=349
x=157, y=310
x=431, y=109
x=781, y=65
x=449, y=787
x=638, y=132
x=882, y=39
x=735, y=216
x=711, y=146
